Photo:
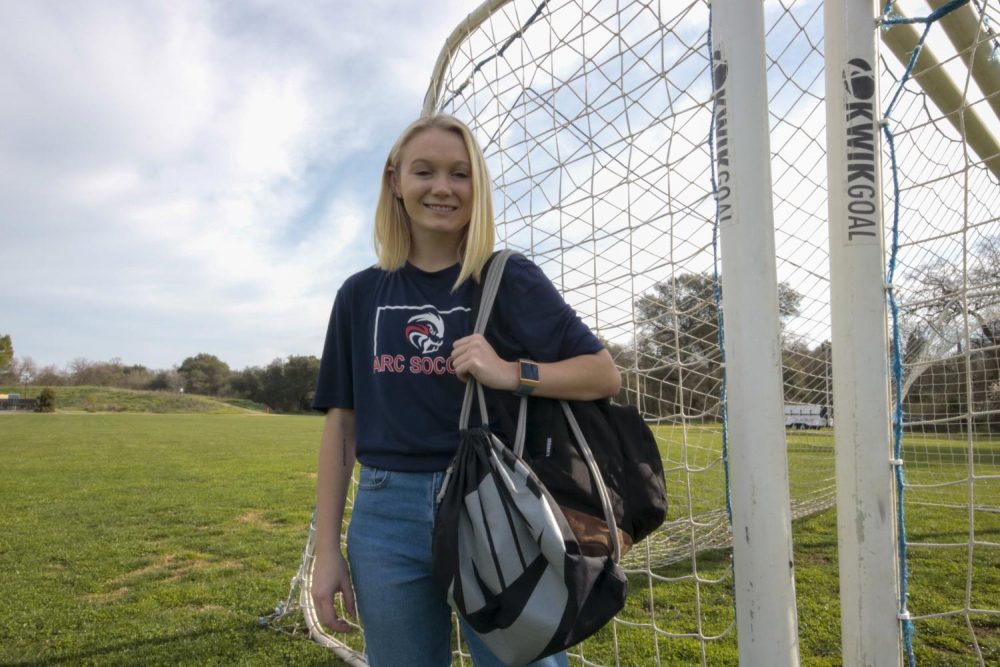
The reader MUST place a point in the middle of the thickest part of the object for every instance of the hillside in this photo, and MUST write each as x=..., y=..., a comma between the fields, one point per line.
x=108, y=399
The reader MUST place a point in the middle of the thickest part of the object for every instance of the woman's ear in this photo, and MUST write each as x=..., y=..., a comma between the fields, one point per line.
x=390, y=177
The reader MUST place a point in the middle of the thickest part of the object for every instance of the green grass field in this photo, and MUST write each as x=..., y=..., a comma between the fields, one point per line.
x=156, y=539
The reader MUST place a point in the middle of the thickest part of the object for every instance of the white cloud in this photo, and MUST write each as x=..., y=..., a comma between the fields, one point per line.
x=190, y=177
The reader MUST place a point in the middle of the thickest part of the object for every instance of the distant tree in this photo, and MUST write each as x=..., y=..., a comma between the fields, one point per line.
x=945, y=296
x=19, y=371
x=284, y=385
x=680, y=315
x=50, y=376
x=25, y=370
x=204, y=374
x=678, y=344
x=287, y=386
x=953, y=311
x=806, y=372
x=6, y=356
x=165, y=381
x=86, y=372
x=134, y=376
x=272, y=390
x=248, y=383
x=46, y=401
x=300, y=381
x=108, y=374
x=6, y=351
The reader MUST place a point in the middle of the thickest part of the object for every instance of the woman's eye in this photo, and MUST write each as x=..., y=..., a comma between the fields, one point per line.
x=460, y=174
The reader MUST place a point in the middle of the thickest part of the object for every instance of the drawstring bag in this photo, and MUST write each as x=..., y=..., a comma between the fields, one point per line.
x=505, y=552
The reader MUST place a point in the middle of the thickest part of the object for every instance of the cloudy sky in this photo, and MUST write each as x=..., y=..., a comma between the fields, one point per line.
x=193, y=175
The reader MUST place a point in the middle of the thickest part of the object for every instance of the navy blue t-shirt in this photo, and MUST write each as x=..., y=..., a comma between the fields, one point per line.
x=388, y=350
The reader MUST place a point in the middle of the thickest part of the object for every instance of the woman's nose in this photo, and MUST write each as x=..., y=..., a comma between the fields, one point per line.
x=441, y=186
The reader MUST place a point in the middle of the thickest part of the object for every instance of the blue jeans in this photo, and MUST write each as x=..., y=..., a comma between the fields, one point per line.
x=405, y=616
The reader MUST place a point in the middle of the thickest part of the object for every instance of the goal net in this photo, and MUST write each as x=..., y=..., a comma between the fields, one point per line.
x=597, y=122
x=943, y=104
x=599, y=127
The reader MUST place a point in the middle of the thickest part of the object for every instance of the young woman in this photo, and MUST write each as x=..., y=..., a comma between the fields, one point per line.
x=397, y=353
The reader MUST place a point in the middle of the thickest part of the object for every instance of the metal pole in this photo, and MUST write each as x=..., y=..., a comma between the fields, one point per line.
x=766, y=618
x=432, y=98
x=972, y=38
x=948, y=97
x=865, y=499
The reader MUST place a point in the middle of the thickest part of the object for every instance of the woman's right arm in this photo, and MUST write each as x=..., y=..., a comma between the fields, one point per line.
x=336, y=464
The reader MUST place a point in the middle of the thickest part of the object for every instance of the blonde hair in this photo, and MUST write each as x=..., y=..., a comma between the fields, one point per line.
x=392, y=224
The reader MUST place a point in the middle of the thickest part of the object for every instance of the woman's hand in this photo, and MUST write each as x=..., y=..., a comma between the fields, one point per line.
x=586, y=377
x=474, y=356
x=330, y=576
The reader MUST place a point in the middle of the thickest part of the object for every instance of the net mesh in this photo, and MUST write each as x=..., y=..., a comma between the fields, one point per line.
x=595, y=118
x=943, y=109
x=595, y=122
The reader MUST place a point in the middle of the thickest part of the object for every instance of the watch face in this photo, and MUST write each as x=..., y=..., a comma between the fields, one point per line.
x=529, y=371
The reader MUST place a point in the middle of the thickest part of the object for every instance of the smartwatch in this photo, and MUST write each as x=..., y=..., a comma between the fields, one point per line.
x=529, y=377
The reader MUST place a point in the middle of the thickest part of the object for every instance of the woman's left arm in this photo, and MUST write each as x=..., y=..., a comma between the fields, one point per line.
x=585, y=377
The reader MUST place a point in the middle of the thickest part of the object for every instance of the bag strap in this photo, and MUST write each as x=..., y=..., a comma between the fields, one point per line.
x=602, y=489
x=483, y=309
x=477, y=307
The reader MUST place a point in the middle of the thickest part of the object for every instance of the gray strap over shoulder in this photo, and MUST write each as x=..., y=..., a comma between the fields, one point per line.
x=491, y=284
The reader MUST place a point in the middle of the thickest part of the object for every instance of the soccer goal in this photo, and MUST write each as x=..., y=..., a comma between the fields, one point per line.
x=758, y=205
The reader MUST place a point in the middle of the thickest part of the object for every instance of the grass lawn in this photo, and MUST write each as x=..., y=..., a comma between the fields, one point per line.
x=152, y=539
x=160, y=539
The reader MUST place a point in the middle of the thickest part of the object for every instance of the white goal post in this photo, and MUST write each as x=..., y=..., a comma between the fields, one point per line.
x=865, y=502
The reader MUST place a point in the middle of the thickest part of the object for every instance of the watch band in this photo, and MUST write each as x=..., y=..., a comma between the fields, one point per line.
x=529, y=377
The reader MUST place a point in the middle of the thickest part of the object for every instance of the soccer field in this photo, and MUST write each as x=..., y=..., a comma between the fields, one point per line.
x=161, y=539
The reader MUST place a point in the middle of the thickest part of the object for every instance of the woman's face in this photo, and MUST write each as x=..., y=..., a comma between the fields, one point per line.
x=434, y=179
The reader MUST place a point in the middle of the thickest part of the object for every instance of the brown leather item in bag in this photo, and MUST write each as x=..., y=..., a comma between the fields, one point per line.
x=593, y=535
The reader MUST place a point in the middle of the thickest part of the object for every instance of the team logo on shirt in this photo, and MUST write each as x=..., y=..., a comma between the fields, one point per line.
x=425, y=332
x=410, y=340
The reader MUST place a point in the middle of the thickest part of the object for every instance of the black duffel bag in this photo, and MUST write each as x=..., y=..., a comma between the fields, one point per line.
x=623, y=447
x=622, y=444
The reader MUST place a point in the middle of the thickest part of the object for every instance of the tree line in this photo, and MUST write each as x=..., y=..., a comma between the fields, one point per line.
x=950, y=351
x=675, y=366
x=284, y=385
